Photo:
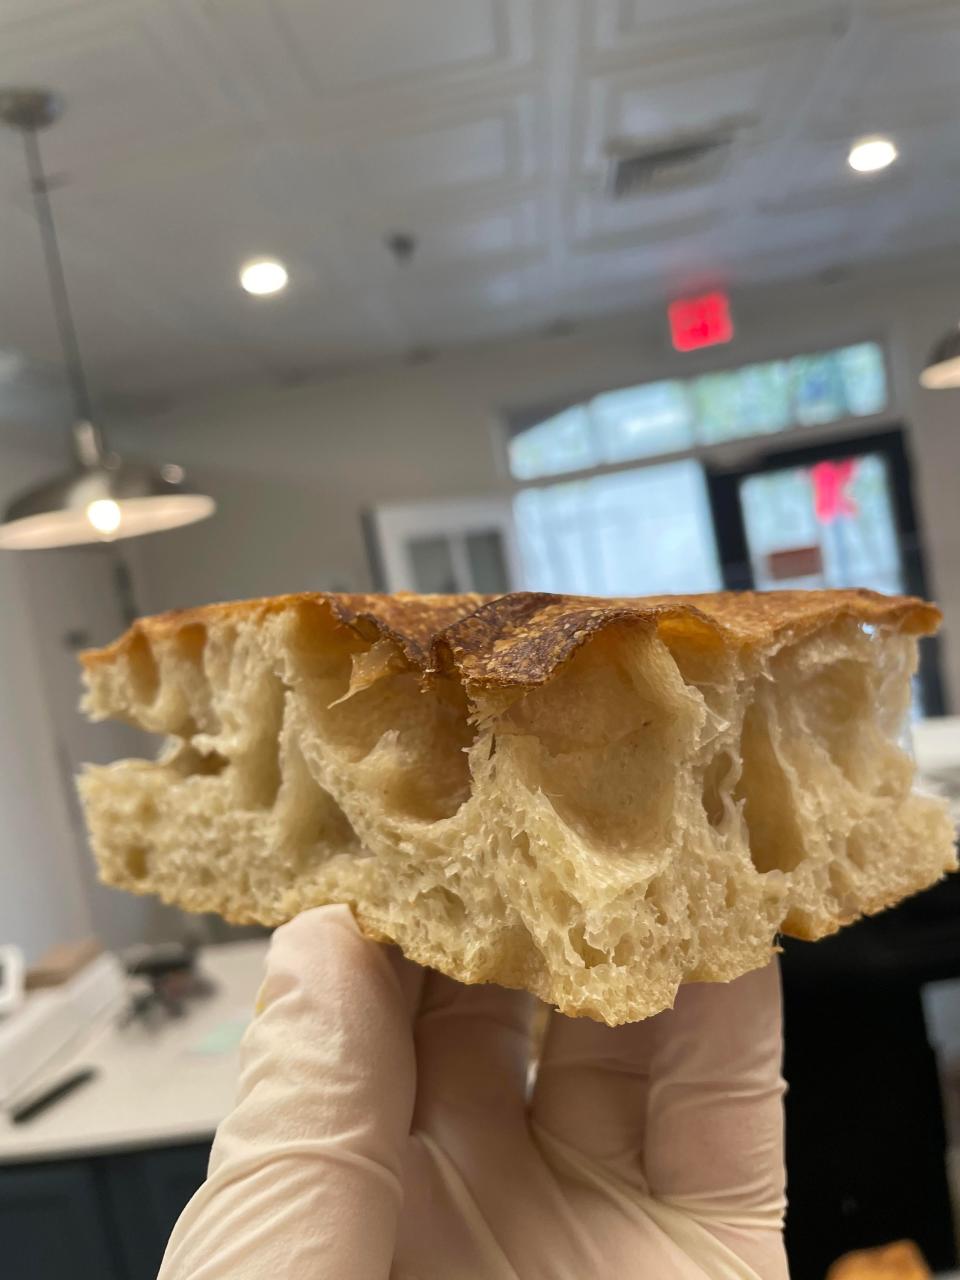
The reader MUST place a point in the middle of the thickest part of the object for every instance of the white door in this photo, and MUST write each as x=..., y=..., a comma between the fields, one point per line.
x=445, y=546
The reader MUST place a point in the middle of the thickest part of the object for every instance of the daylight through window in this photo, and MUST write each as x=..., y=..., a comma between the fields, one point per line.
x=626, y=524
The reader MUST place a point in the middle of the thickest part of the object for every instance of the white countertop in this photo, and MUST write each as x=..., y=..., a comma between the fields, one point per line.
x=936, y=748
x=154, y=1087
x=936, y=743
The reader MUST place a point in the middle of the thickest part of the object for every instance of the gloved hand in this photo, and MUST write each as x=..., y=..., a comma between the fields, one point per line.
x=384, y=1127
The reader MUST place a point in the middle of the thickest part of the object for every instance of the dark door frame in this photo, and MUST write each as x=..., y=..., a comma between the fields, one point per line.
x=723, y=486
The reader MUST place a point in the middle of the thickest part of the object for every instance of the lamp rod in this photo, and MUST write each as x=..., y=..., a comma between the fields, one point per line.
x=62, y=311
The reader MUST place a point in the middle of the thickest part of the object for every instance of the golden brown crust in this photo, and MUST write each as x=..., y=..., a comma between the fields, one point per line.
x=523, y=638
x=413, y=621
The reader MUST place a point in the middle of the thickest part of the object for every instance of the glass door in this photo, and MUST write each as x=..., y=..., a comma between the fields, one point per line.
x=835, y=514
x=830, y=523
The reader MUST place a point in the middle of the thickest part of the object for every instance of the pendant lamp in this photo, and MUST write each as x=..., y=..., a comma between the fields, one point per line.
x=101, y=497
x=942, y=369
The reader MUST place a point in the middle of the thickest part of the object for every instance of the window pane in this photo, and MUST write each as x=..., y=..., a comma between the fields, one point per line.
x=640, y=421
x=641, y=532
x=670, y=416
x=742, y=402
x=488, y=569
x=432, y=565
x=779, y=517
x=863, y=549
x=765, y=397
x=864, y=378
x=560, y=444
x=553, y=548
x=817, y=389
x=716, y=398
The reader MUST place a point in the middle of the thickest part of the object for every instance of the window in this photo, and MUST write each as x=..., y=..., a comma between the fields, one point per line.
x=641, y=422
x=864, y=378
x=841, y=511
x=646, y=531
x=673, y=416
x=745, y=402
x=626, y=522
x=563, y=443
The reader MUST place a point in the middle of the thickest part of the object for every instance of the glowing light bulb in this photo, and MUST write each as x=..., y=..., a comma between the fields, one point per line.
x=870, y=154
x=104, y=515
x=265, y=275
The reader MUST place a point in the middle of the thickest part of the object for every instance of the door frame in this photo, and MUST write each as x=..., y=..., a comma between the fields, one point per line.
x=723, y=485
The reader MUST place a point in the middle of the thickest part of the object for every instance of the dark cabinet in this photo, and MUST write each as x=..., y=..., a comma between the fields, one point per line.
x=100, y=1218
x=52, y=1223
x=145, y=1192
x=866, y=1147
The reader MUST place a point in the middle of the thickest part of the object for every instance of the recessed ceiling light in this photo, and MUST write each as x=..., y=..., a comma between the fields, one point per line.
x=867, y=155
x=264, y=275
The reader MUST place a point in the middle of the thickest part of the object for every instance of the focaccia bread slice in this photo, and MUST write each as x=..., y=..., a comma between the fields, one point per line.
x=592, y=799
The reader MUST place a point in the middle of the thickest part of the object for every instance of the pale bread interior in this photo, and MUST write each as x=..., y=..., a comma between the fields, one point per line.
x=655, y=813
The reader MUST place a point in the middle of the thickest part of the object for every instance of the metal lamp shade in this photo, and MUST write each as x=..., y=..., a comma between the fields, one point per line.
x=58, y=512
x=942, y=369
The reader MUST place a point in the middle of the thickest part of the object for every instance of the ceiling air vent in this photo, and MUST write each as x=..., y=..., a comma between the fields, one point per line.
x=645, y=168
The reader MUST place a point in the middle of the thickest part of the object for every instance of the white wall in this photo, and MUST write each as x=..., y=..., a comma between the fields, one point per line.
x=42, y=896
x=51, y=602
x=73, y=602
x=294, y=467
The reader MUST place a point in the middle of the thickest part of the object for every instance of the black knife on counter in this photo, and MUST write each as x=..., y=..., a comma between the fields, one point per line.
x=32, y=1105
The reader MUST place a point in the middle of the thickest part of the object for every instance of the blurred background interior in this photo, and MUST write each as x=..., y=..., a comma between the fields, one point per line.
x=611, y=297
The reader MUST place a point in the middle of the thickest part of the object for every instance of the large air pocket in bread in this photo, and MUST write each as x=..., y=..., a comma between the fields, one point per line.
x=595, y=800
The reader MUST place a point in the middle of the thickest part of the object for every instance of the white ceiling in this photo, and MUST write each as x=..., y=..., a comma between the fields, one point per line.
x=200, y=133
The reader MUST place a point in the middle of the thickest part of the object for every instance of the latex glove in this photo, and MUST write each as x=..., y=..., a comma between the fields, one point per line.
x=384, y=1127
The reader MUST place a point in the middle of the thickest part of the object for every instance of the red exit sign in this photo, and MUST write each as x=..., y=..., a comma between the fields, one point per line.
x=700, y=322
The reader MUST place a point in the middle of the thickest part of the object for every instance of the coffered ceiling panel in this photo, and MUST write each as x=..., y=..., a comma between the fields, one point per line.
x=902, y=71
x=372, y=44
x=200, y=133
x=620, y=23
x=602, y=223
x=472, y=153
x=131, y=84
